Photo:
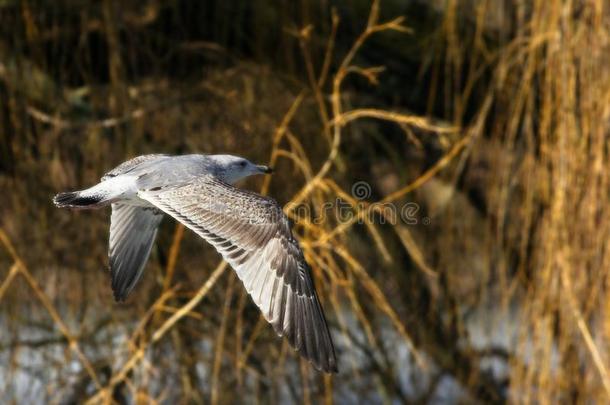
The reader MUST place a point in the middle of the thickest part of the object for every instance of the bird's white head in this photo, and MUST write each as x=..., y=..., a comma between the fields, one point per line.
x=231, y=168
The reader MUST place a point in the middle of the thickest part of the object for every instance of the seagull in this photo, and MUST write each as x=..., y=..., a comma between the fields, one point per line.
x=250, y=231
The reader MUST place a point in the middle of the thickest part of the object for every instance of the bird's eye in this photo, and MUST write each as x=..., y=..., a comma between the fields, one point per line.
x=242, y=163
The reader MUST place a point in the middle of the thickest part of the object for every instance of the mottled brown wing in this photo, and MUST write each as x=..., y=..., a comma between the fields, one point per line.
x=253, y=235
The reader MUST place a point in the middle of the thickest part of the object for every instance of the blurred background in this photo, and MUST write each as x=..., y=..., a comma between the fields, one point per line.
x=489, y=120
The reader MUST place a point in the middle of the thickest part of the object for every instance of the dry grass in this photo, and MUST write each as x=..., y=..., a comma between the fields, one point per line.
x=508, y=264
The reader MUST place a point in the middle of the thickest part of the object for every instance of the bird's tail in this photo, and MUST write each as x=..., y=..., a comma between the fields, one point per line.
x=78, y=199
x=98, y=196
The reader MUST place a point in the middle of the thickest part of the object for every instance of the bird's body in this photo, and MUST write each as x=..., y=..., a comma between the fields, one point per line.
x=250, y=231
x=150, y=171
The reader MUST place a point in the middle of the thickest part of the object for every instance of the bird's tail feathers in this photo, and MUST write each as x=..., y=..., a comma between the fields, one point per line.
x=100, y=195
x=79, y=200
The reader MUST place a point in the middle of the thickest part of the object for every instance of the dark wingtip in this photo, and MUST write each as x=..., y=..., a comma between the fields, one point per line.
x=119, y=294
x=330, y=366
x=119, y=297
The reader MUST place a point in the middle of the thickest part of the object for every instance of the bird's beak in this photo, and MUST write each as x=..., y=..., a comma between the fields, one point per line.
x=265, y=169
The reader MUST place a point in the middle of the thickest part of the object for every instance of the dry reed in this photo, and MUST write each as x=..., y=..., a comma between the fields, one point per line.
x=519, y=118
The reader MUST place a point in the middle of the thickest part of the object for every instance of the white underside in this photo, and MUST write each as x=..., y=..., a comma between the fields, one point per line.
x=121, y=189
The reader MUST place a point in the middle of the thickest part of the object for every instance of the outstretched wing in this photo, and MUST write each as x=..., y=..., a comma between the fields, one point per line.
x=253, y=235
x=132, y=233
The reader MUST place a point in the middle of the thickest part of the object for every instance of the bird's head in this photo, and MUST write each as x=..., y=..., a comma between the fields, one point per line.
x=234, y=168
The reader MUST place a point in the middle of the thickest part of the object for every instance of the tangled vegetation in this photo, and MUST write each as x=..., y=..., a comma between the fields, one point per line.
x=489, y=120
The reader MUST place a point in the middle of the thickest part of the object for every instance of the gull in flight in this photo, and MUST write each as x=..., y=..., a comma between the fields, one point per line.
x=250, y=232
